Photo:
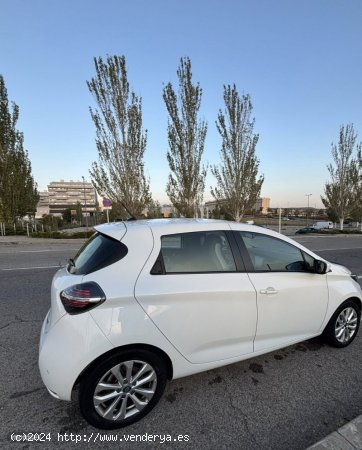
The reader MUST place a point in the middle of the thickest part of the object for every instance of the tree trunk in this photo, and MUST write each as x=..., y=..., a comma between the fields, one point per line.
x=341, y=223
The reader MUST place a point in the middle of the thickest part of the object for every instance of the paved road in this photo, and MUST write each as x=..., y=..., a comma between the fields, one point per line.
x=287, y=399
x=346, y=250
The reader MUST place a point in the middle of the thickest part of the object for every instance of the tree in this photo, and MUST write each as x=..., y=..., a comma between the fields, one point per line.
x=154, y=210
x=341, y=193
x=332, y=215
x=238, y=185
x=67, y=215
x=79, y=212
x=18, y=191
x=357, y=210
x=186, y=140
x=120, y=138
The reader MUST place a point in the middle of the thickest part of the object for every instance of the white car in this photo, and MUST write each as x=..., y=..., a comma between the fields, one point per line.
x=148, y=301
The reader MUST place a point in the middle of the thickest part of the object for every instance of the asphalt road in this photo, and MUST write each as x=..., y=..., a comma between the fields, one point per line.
x=287, y=399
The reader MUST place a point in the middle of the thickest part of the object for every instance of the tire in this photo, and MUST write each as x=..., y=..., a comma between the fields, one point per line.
x=122, y=389
x=343, y=325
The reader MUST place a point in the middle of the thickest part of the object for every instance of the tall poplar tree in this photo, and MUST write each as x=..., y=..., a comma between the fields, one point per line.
x=18, y=190
x=186, y=141
x=120, y=138
x=238, y=184
x=357, y=211
x=341, y=193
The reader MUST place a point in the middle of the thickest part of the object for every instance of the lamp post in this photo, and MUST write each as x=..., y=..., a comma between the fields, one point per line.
x=307, y=195
x=85, y=206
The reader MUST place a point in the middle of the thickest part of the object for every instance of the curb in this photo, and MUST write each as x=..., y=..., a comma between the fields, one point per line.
x=348, y=437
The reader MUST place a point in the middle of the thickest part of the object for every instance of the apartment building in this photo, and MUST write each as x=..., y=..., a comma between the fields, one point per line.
x=62, y=195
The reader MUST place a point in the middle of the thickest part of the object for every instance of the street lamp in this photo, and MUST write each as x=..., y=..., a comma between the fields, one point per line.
x=307, y=195
x=85, y=205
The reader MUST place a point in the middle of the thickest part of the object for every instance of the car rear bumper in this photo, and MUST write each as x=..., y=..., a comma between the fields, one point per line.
x=66, y=349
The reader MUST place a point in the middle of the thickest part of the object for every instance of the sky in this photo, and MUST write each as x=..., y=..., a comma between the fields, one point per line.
x=300, y=61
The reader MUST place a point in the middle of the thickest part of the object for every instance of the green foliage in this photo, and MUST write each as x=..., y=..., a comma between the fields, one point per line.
x=356, y=213
x=79, y=212
x=186, y=140
x=117, y=212
x=220, y=212
x=9, y=231
x=238, y=185
x=63, y=235
x=335, y=231
x=154, y=210
x=120, y=138
x=332, y=215
x=51, y=222
x=342, y=193
x=67, y=215
x=18, y=191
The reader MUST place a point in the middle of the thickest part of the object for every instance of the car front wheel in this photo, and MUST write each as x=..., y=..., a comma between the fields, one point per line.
x=343, y=326
x=122, y=389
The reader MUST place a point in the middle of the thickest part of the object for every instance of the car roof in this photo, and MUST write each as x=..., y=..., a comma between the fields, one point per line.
x=160, y=227
x=118, y=229
x=173, y=226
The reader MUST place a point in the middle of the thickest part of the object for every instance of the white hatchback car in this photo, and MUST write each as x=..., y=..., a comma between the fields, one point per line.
x=147, y=301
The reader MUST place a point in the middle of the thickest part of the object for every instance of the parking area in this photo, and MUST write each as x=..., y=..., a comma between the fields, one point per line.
x=287, y=399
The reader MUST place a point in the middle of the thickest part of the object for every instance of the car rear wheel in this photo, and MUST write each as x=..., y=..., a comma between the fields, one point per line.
x=343, y=326
x=122, y=389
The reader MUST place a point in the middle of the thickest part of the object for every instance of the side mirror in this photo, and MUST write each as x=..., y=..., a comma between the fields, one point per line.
x=320, y=267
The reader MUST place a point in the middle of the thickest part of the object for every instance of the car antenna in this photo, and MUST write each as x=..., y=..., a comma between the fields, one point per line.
x=129, y=212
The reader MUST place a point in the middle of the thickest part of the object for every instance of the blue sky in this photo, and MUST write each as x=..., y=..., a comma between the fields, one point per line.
x=301, y=62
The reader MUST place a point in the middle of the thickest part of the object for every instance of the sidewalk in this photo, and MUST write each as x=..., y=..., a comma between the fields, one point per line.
x=14, y=240
x=348, y=437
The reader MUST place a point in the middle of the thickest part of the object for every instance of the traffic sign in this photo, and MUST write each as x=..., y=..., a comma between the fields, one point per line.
x=107, y=202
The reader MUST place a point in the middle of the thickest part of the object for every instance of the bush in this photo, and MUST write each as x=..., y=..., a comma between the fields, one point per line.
x=336, y=231
x=62, y=235
x=11, y=232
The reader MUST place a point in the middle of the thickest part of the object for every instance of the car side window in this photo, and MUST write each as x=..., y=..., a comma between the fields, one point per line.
x=196, y=252
x=271, y=254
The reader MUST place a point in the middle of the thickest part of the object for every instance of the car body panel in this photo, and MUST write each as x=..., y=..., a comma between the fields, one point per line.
x=115, y=230
x=341, y=287
x=61, y=280
x=290, y=306
x=207, y=319
x=201, y=321
x=208, y=316
x=66, y=349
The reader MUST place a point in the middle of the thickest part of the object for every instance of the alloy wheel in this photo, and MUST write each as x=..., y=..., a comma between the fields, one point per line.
x=125, y=390
x=346, y=325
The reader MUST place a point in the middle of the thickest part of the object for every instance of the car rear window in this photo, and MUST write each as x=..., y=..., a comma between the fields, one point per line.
x=98, y=252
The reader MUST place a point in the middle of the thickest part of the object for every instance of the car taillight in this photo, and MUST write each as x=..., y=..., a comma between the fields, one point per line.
x=82, y=297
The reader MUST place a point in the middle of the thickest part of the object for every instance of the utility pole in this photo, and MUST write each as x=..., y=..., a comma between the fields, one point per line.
x=307, y=195
x=85, y=206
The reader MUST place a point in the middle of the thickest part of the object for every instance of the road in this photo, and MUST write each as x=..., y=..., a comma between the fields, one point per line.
x=287, y=399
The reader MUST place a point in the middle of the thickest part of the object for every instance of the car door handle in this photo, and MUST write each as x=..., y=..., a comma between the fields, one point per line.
x=268, y=291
